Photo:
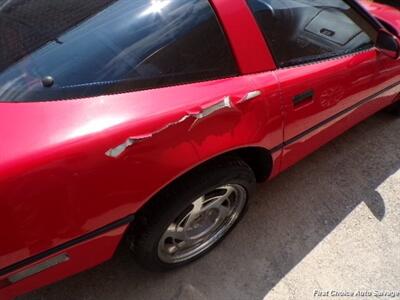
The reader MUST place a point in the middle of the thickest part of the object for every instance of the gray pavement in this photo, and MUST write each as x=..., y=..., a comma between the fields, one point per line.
x=331, y=223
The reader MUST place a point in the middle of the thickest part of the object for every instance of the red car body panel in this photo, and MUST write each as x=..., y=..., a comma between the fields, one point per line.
x=83, y=256
x=384, y=12
x=356, y=78
x=57, y=183
x=245, y=37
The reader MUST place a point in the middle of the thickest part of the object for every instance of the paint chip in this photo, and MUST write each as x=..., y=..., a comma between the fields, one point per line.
x=204, y=113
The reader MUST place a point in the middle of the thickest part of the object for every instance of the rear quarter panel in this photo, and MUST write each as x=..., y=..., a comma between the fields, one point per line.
x=56, y=183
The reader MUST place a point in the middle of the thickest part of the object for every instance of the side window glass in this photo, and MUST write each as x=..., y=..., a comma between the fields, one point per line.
x=302, y=31
x=53, y=50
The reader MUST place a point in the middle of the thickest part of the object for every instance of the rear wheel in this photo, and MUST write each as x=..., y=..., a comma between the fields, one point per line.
x=193, y=215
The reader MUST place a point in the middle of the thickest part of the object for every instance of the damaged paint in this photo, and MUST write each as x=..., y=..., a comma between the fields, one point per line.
x=226, y=102
x=117, y=151
x=249, y=96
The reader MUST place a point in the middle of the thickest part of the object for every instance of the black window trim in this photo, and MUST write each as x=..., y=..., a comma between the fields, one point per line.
x=364, y=13
x=325, y=58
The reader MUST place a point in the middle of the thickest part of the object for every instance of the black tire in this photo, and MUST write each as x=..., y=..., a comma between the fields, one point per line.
x=394, y=109
x=174, y=200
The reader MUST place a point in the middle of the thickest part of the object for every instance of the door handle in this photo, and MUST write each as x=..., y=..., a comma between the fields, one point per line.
x=303, y=97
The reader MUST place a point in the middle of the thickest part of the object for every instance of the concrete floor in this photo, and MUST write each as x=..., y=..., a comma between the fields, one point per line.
x=330, y=223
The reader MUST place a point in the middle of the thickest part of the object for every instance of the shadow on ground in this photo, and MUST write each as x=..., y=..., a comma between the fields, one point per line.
x=287, y=219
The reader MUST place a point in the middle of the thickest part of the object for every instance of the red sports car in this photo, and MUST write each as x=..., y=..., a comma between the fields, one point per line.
x=152, y=120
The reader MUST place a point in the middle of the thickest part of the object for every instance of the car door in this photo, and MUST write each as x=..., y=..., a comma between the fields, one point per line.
x=327, y=65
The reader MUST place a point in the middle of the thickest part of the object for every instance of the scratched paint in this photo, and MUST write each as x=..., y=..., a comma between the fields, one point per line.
x=225, y=103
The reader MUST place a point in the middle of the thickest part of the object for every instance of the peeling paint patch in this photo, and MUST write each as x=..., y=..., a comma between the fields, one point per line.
x=250, y=96
x=210, y=110
x=226, y=102
x=117, y=151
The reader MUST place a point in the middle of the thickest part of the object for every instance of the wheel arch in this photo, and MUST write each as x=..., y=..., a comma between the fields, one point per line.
x=259, y=160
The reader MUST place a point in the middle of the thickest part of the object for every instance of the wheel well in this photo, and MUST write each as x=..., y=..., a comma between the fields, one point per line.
x=259, y=160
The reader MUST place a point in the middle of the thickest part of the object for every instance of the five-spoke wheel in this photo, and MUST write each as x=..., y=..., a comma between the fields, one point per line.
x=207, y=219
x=192, y=215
